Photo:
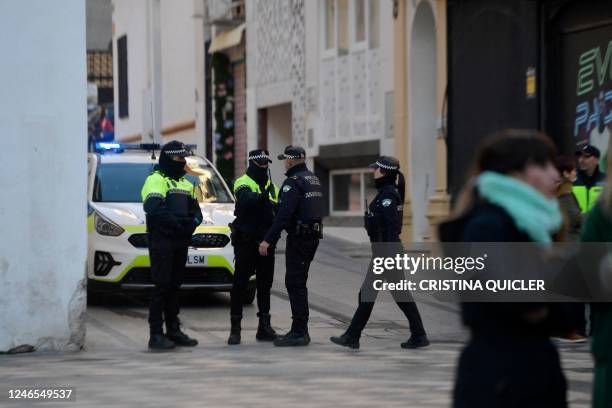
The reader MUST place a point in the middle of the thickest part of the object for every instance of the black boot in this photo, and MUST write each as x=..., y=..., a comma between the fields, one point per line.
x=416, y=342
x=234, y=337
x=174, y=333
x=160, y=342
x=346, y=341
x=292, y=339
x=265, y=332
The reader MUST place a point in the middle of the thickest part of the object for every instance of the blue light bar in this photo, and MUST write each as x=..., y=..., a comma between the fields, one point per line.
x=110, y=147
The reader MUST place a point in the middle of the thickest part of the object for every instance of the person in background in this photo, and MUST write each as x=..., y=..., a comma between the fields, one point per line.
x=173, y=213
x=256, y=200
x=566, y=166
x=598, y=228
x=509, y=360
x=383, y=223
x=300, y=210
x=590, y=180
x=575, y=311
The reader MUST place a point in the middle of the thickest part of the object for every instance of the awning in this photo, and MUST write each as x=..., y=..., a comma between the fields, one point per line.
x=227, y=39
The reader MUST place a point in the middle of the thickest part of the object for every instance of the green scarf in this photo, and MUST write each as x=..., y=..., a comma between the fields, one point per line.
x=533, y=213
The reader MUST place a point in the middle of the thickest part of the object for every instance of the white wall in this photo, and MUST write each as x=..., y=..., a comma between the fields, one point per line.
x=130, y=18
x=43, y=174
x=279, y=136
x=178, y=61
x=178, y=68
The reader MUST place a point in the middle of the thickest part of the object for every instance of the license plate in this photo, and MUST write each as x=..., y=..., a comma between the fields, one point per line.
x=196, y=259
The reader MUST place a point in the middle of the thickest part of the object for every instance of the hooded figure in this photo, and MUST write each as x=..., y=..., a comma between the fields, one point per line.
x=256, y=198
x=173, y=213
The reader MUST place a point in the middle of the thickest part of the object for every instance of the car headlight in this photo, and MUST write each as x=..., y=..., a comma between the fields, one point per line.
x=104, y=226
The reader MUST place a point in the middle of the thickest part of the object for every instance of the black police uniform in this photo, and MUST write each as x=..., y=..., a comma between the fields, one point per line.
x=172, y=215
x=383, y=222
x=256, y=198
x=299, y=213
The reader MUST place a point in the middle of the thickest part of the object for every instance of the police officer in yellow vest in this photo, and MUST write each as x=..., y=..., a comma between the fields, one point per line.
x=173, y=213
x=256, y=200
x=591, y=180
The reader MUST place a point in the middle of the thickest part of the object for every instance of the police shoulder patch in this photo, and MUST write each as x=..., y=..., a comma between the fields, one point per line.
x=386, y=202
x=286, y=188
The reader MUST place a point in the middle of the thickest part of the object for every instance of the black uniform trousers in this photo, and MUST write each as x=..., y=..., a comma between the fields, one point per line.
x=168, y=257
x=299, y=253
x=367, y=298
x=249, y=262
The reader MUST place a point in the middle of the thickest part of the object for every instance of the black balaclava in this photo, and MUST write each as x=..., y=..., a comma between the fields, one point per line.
x=259, y=174
x=171, y=168
x=387, y=179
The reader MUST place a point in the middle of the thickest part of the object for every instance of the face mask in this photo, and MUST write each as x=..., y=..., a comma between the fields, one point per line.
x=259, y=174
x=171, y=168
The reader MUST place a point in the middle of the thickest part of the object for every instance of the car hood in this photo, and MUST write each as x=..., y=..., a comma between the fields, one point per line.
x=132, y=214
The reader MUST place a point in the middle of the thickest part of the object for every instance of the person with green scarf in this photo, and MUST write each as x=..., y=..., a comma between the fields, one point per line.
x=510, y=360
x=598, y=228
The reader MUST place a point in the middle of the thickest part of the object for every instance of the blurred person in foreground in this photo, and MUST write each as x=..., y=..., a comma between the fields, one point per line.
x=598, y=228
x=509, y=360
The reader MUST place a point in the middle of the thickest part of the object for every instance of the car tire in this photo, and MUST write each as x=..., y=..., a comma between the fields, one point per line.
x=95, y=298
x=249, y=296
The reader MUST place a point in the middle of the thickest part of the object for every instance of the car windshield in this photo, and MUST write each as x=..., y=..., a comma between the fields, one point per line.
x=122, y=183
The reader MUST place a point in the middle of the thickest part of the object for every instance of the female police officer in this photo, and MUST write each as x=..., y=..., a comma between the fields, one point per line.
x=383, y=222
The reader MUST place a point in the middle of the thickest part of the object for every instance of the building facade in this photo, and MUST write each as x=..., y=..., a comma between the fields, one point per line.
x=320, y=75
x=158, y=67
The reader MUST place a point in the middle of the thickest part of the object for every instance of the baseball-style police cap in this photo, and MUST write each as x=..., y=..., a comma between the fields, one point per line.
x=260, y=156
x=388, y=163
x=292, y=152
x=176, y=148
x=588, y=150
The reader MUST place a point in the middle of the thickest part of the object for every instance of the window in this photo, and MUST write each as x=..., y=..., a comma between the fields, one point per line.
x=122, y=71
x=330, y=24
x=349, y=22
x=360, y=21
x=349, y=190
x=374, y=23
x=343, y=26
x=122, y=183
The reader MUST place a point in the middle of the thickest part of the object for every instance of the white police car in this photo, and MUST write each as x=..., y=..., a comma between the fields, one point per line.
x=118, y=257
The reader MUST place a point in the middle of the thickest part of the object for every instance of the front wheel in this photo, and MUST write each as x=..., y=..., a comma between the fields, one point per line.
x=249, y=296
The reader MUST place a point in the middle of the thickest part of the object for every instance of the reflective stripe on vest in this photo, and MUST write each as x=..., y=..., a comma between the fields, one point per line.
x=245, y=180
x=156, y=185
x=586, y=197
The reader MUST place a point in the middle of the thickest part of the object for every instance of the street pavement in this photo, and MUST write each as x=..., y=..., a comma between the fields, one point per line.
x=116, y=369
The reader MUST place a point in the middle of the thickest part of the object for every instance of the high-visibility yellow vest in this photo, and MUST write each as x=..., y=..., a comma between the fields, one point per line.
x=157, y=185
x=587, y=197
x=245, y=181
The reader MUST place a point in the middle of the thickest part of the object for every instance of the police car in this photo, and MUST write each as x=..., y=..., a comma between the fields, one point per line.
x=118, y=257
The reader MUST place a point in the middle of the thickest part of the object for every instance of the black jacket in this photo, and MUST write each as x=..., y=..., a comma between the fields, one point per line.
x=487, y=222
x=254, y=211
x=383, y=222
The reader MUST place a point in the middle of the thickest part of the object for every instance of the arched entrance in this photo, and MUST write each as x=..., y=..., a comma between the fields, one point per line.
x=422, y=116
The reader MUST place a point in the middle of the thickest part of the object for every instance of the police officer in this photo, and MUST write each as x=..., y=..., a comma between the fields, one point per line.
x=299, y=213
x=383, y=222
x=590, y=181
x=172, y=214
x=256, y=198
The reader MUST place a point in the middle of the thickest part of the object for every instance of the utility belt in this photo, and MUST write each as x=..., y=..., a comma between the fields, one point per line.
x=308, y=230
